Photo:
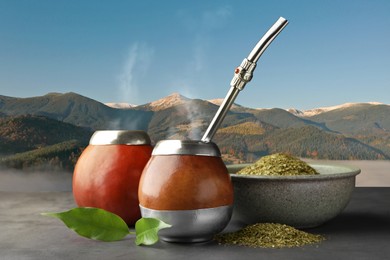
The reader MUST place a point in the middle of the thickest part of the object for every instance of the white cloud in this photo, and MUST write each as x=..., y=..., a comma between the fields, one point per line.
x=201, y=28
x=215, y=19
x=211, y=20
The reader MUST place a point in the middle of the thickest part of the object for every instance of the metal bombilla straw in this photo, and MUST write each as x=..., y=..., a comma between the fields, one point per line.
x=243, y=74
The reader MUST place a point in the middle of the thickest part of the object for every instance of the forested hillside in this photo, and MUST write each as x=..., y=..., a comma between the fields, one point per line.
x=37, y=142
x=52, y=130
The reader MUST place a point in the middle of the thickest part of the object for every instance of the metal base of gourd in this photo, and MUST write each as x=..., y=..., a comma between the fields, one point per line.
x=191, y=226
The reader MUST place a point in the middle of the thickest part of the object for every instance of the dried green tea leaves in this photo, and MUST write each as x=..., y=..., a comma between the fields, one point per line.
x=278, y=164
x=269, y=235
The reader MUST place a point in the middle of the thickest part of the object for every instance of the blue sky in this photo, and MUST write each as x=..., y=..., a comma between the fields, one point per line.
x=332, y=52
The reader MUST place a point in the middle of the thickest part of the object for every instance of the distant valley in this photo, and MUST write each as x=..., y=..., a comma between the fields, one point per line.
x=53, y=129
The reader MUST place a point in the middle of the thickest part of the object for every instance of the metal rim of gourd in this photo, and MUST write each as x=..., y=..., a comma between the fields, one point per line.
x=186, y=147
x=125, y=137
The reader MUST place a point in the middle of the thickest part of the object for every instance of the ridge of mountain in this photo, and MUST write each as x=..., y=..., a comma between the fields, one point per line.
x=76, y=109
x=82, y=111
x=171, y=100
x=175, y=99
x=320, y=110
x=361, y=129
x=234, y=107
x=360, y=119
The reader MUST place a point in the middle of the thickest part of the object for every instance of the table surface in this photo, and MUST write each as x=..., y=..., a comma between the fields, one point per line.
x=361, y=231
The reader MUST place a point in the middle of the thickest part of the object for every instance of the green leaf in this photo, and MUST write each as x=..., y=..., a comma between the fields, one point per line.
x=93, y=223
x=147, y=230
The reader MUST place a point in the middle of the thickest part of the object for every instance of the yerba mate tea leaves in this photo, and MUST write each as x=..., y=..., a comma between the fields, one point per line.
x=278, y=164
x=269, y=235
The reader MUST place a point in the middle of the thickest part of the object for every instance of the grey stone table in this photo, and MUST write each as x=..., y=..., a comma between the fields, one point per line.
x=362, y=231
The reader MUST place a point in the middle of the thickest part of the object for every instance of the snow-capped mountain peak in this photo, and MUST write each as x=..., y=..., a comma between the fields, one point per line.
x=166, y=102
x=316, y=111
x=120, y=105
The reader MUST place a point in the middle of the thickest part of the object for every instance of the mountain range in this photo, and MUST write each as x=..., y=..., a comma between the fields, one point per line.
x=348, y=131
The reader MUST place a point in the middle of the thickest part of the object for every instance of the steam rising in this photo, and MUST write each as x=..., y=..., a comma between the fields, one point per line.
x=134, y=71
x=136, y=67
x=192, y=114
x=197, y=67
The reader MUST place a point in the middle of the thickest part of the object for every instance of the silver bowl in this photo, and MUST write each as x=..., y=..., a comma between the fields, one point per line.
x=302, y=201
x=190, y=226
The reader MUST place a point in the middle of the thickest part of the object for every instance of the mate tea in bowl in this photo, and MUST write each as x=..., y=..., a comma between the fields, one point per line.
x=278, y=165
x=300, y=200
